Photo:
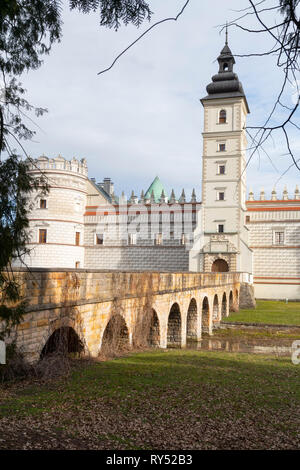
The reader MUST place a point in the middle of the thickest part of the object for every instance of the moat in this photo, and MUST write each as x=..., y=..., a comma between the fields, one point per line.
x=259, y=340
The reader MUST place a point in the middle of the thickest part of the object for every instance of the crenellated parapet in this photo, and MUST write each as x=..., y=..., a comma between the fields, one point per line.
x=275, y=196
x=44, y=163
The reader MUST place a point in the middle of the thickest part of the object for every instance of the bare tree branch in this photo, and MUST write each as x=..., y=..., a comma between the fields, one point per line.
x=286, y=36
x=143, y=34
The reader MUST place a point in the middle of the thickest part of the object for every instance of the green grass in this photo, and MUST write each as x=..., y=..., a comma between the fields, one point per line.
x=268, y=311
x=174, y=399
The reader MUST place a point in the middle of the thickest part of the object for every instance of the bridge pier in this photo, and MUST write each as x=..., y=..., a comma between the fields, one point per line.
x=163, y=332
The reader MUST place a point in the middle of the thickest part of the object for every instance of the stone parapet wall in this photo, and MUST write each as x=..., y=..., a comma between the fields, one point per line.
x=50, y=288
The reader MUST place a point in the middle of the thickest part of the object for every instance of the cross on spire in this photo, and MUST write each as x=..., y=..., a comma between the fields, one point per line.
x=226, y=40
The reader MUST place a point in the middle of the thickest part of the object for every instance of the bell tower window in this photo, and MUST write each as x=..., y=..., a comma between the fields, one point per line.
x=222, y=116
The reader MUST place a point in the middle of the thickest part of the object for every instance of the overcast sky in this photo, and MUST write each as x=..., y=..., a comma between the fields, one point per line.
x=143, y=118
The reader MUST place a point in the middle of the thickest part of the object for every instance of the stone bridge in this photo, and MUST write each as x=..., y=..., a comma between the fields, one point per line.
x=100, y=307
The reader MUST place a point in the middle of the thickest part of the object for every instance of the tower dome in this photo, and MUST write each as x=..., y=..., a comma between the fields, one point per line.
x=225, y=84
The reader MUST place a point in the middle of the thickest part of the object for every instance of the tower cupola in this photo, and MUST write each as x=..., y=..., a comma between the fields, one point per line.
x=225, y=84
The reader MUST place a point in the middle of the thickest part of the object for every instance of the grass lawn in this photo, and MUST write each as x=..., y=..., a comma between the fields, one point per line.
x=269, y=311
x=173, y=399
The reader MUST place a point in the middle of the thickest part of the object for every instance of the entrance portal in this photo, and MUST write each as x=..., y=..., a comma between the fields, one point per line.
x=220, y=266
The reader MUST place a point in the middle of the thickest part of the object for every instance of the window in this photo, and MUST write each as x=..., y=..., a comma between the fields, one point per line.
x=132, y=239
x=77, y=238
x=222, y=117
x=247, y=218
x=222, y=147
x=77, y=264
x=99, y=238
x=42, y=236
x=221, y=228
x=43, y=204
x=278, y=238
x=158, y=239
x=221, y=170
x=225, y=67
x=221, y=196
x=77, y=206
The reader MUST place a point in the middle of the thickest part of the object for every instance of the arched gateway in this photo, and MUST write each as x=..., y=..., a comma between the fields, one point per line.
x=220, y=266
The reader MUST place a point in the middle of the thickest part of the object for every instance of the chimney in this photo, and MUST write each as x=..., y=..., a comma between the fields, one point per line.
x=108, y=186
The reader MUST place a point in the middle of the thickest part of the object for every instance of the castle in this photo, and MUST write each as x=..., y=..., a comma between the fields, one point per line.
x=83, y=224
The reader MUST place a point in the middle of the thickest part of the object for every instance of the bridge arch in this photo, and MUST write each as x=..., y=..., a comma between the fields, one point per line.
x=216, y=308
x=147, y=329
x=236, y=300
x=192, y=321
x=154, y=330
x=63, y=340
x=174, y=327
x=231, y=307
x=224, y=306
x=115, y=337
x=205, y=315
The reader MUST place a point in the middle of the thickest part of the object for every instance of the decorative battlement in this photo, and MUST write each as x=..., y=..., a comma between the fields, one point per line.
x=163, y=198
x=285, y=195
x=59, y=163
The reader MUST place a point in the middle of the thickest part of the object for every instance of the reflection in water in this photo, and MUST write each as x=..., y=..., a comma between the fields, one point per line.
x=211, y=344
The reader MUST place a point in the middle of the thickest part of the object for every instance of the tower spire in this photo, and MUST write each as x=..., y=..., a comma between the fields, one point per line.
x=226, y=37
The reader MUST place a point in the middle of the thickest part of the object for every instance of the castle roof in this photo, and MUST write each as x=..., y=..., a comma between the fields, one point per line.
x=157, y=187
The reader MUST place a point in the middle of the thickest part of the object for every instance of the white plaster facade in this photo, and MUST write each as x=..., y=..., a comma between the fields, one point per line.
x=60, y=213
x=276, y=257
x=229, y=212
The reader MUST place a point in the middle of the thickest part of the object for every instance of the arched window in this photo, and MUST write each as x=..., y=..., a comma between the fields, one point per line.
x=222, y=116
x=225, y=67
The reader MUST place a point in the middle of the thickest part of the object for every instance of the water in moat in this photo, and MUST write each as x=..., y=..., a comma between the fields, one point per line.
x=240, y=346
x=258, y=341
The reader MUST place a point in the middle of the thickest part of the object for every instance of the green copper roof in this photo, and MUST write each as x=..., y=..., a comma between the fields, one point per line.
x=157, y=188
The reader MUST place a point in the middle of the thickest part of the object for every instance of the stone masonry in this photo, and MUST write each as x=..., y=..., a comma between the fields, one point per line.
x=85, y=300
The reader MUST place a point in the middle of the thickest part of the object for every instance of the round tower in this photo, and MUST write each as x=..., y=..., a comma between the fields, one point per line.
x=56, y=219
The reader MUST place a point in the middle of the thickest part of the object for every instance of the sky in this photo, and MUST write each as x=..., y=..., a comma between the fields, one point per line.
x=143, y=118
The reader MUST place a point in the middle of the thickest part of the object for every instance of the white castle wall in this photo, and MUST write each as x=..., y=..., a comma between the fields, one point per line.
x=276, y=267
